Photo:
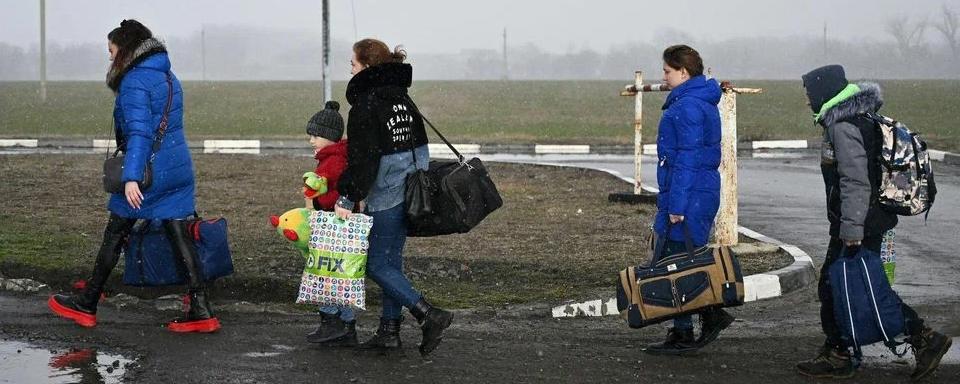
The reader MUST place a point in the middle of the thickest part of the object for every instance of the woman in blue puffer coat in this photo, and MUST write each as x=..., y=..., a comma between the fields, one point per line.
x=141, y=78
x=688, y=147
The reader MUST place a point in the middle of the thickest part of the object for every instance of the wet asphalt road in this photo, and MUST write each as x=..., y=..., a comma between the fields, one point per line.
x=779, y=198
x=784, y=199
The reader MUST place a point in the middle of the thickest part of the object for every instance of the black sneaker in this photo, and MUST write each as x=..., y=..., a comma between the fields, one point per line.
x=928, y=348
x=713, y=321
x=679, y=342
x=829, y=364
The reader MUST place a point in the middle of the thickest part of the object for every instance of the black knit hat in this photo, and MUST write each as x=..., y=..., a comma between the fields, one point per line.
x=823, y=83
x=327, y=123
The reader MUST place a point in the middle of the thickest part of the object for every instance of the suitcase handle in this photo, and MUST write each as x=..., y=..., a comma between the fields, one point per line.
x=661, y=241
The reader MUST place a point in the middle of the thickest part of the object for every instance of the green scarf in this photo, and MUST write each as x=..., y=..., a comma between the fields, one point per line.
x=844, y=95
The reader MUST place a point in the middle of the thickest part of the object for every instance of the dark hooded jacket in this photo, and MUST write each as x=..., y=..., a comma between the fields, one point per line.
x=382, y=123
x=851, y=172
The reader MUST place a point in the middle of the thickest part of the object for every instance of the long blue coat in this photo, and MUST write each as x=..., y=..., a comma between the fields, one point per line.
x=688, y=147
x=137, y=111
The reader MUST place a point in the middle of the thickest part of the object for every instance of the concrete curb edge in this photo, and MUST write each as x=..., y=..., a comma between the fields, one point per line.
x=761, y=148
x=759, y=286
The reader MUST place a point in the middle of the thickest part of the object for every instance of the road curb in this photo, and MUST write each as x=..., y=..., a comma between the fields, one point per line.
x=758, y=148
x=760, y=286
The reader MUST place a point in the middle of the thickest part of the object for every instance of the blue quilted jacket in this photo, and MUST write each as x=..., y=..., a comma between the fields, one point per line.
x=137, y=111
x=688, y=147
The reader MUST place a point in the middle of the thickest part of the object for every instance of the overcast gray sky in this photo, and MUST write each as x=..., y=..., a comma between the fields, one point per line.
x=447, y=26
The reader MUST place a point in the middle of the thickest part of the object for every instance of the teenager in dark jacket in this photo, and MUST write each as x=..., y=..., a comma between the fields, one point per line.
x=139, y=77
x=387, y=142
x=688, y=147
x=851, y=176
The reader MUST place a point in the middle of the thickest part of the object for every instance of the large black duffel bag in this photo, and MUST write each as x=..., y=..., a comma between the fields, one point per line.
x=452, y=196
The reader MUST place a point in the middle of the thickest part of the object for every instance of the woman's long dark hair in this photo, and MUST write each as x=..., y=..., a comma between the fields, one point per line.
x=127, y=37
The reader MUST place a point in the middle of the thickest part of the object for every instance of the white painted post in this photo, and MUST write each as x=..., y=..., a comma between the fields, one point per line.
x=327, y=81
x=637, y=128
x=726, y=221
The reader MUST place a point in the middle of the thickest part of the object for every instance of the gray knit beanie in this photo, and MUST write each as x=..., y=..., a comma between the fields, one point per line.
x=327, y=123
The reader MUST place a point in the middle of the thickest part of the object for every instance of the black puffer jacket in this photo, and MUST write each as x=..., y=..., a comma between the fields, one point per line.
x=381, y=122
x=851, y=171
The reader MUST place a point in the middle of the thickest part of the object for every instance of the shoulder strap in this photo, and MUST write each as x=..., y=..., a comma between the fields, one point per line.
x=164, y=120
x=445, y=141
x=163, y=124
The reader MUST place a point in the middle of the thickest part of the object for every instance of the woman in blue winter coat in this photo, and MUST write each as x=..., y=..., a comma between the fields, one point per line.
x=688, y=147
x=142, y=81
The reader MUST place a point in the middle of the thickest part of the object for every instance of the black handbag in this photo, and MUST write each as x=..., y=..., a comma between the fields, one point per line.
x=113, y=166
x=451, y=196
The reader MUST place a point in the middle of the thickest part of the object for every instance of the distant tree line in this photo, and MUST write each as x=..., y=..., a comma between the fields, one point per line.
x=913, y=48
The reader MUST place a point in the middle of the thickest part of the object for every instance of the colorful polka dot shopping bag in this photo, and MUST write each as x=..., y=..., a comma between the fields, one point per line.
x=337, y=261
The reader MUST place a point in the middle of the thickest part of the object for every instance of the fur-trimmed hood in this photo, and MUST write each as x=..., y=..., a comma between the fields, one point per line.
x=146, y=49
x=392, y=78
x=869, y=99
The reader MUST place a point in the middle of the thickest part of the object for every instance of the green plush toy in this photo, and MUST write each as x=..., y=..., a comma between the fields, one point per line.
x=313, y=185
x=294, y=225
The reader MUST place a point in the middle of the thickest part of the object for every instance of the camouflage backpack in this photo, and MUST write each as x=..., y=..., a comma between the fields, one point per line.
x=906, y=184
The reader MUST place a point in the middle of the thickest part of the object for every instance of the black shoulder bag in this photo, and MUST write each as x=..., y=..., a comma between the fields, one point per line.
x=113, y=166
x=451, y=196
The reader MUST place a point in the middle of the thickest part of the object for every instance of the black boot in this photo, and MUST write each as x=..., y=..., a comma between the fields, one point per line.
x=82, y=307
x=678, y=342
x=334, y=332
x=831, y=363
x=928, y=348
x=198, y=316
x=713, y=321
x=432, y=321
x=386, y=337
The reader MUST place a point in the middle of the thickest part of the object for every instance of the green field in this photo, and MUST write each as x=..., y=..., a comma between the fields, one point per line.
x=543, y=112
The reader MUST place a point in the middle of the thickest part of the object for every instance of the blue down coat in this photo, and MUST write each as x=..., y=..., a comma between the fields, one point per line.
x=137, y=112
x=688, y=148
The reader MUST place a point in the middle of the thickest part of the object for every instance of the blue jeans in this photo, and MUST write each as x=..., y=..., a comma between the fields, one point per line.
x=346, y=313
x=671, y=247
x=385, y=261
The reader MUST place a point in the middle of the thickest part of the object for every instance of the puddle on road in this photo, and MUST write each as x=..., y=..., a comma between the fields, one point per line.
x=26, y=363
x=279, y=349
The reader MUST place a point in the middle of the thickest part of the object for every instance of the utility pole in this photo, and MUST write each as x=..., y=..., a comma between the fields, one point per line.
x=824, y=39
x=43, y=50
x=327, y=81
x=506, y=69
x=203, y=52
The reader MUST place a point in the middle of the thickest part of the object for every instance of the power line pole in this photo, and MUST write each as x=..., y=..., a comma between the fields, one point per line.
x=203, y=52
x=506, y=70
x=43, y=50
x=824, y=39
x=327, y=81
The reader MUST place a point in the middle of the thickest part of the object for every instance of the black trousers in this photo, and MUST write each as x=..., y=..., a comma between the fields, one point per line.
x=914, y=324
x=114, y=238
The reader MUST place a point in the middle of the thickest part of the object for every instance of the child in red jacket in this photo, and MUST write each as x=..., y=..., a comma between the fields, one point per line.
x=337, y=324
x=325, y=129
